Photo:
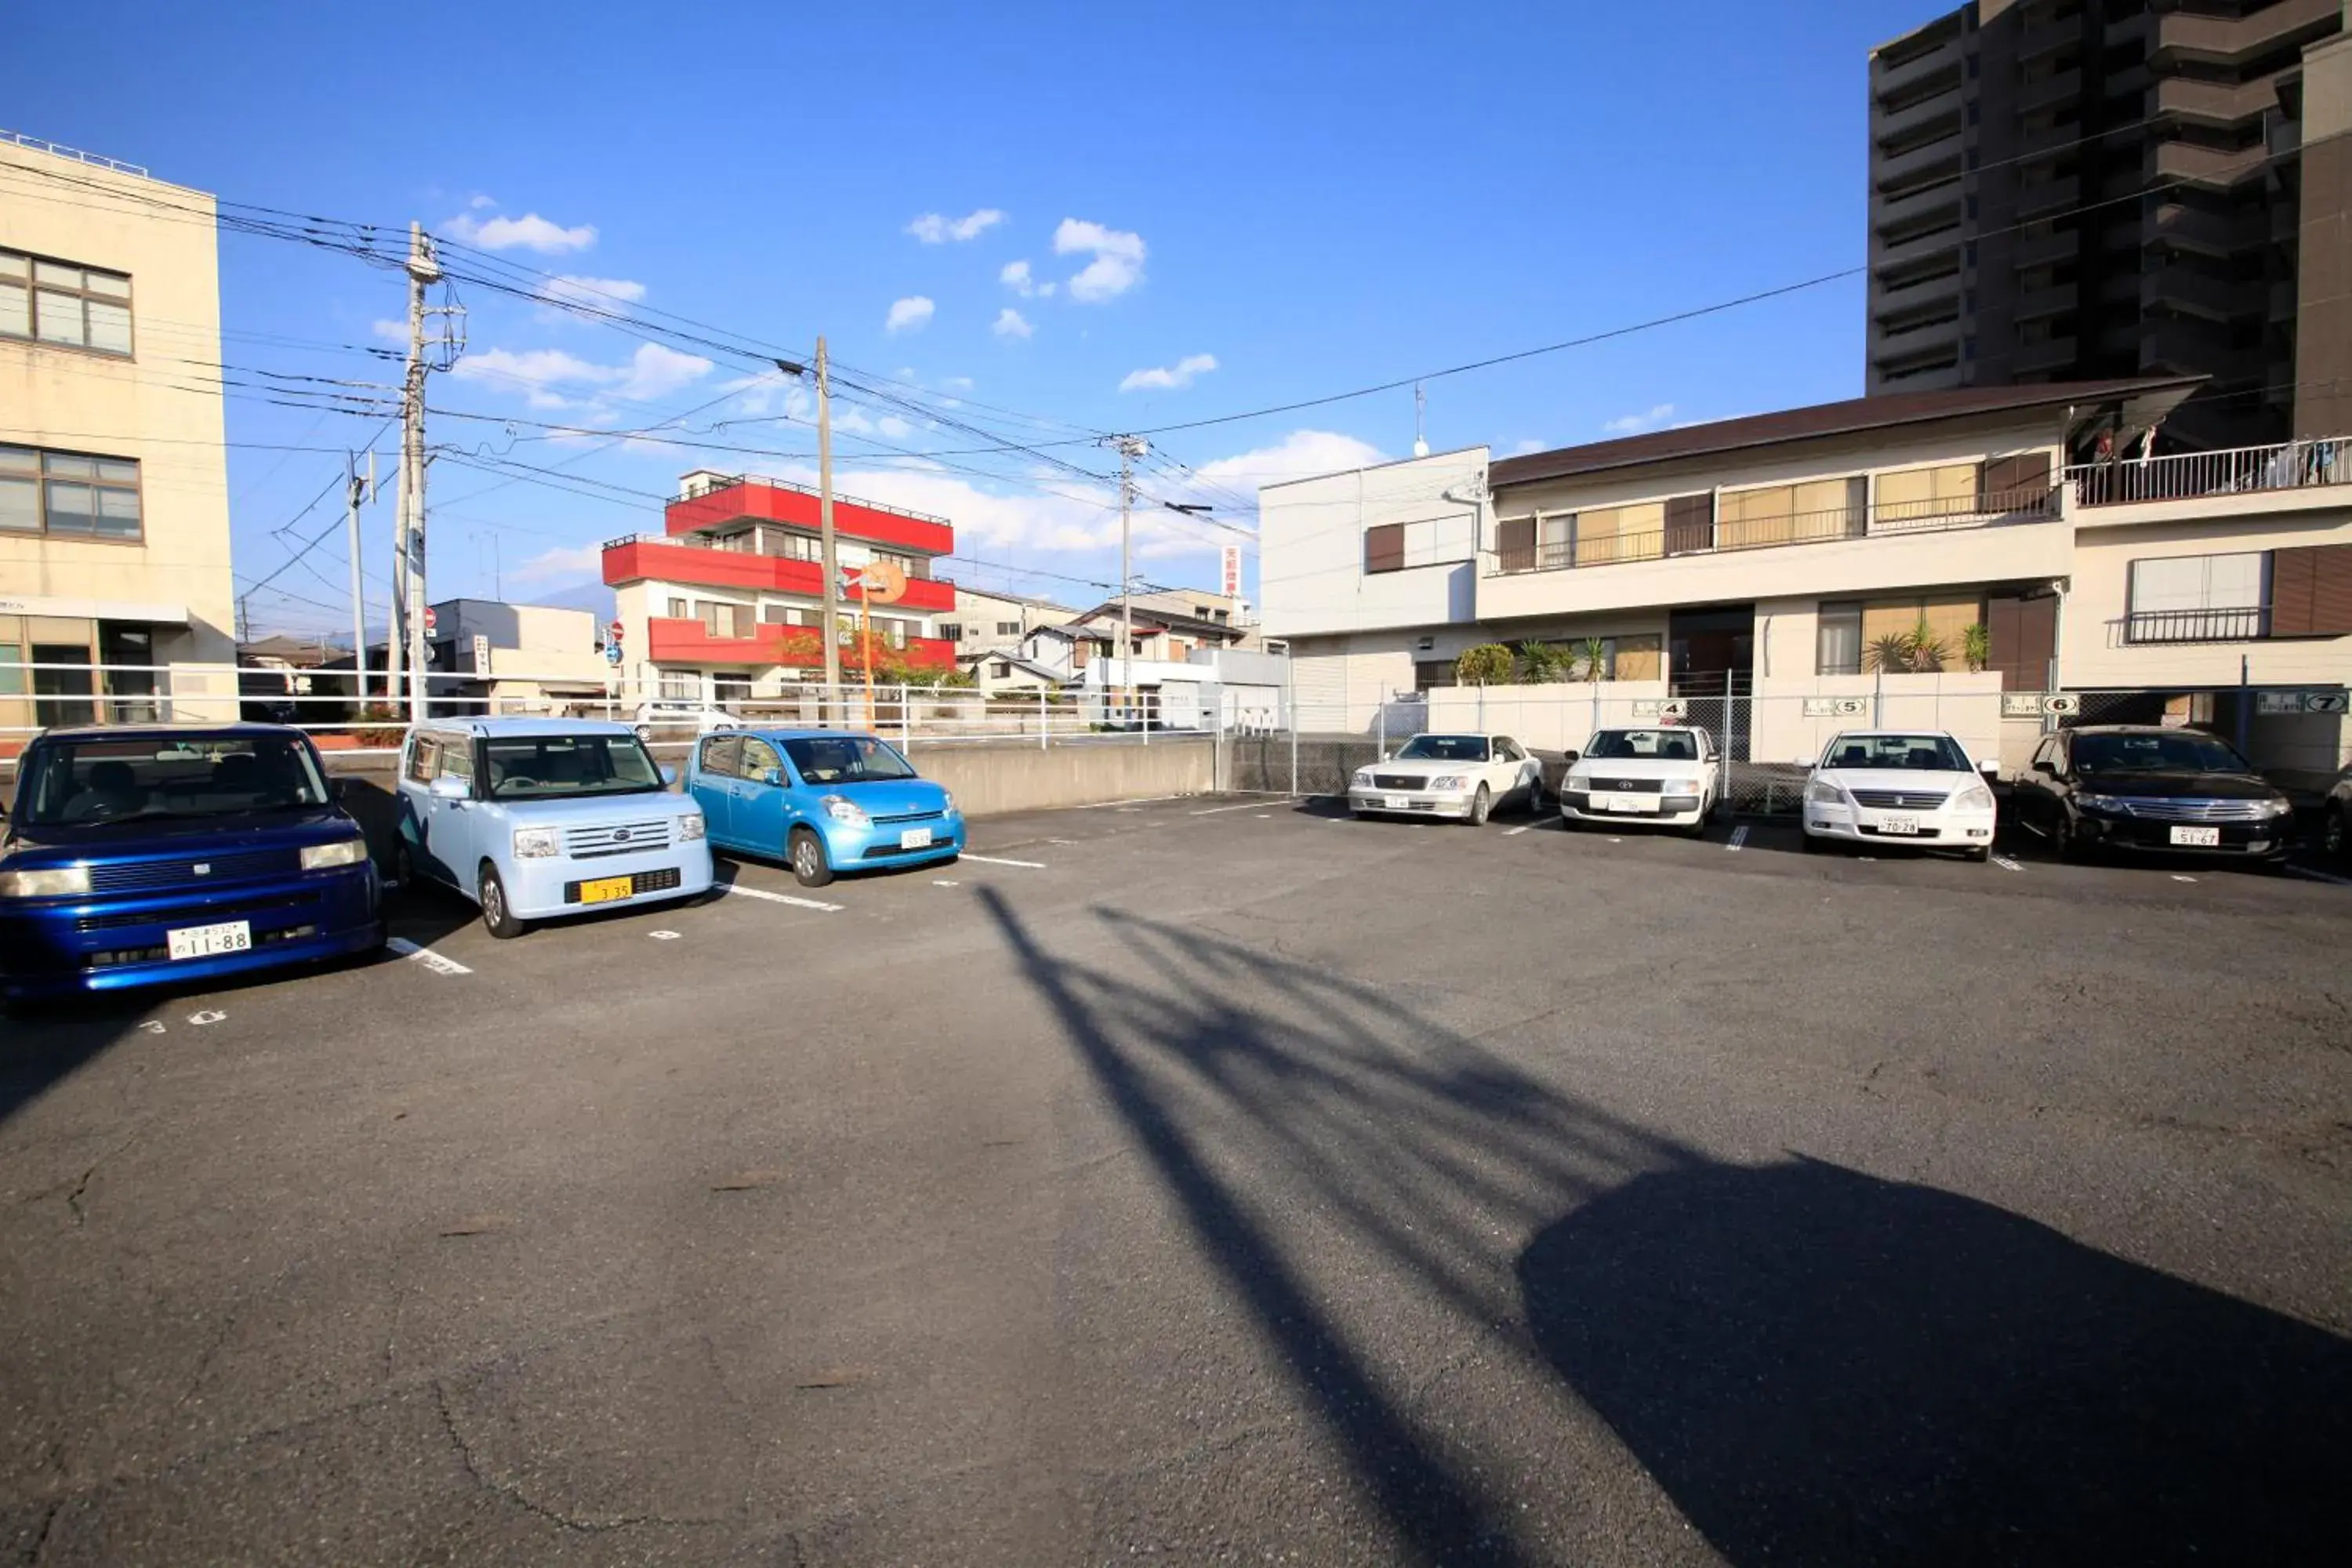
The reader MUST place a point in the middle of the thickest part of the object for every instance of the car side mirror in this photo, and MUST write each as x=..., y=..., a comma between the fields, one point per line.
x=1990, y=769
x=772, y=777
x=1715, y=756
x=1568, y=756
x=449, y=787
x=2044, y=766
x=668, y=775
x=339, y=789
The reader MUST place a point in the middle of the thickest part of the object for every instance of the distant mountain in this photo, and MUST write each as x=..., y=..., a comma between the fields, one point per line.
x=588, y=594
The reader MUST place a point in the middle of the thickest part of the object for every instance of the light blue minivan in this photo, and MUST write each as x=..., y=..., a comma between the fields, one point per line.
x=537, y=818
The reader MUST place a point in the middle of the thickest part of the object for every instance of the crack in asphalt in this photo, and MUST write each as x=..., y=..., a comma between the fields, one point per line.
x=516, y=1495
x=74, y=1198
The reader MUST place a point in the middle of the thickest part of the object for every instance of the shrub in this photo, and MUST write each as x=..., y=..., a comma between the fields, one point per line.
x=1489, y=664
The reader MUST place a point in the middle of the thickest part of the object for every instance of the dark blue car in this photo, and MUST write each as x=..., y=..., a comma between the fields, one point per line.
x=171, y=853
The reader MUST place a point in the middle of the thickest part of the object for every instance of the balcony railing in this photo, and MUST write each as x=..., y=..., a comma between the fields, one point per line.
x=2240, y=470
x=732, y=480
x=1886, y=520
x=2245, y=625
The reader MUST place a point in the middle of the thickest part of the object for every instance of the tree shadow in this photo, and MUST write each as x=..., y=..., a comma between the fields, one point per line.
x=1416, y=1138
x=1819, y=1366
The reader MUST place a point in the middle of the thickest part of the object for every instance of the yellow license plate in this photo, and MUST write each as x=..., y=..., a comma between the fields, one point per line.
x=606, y=890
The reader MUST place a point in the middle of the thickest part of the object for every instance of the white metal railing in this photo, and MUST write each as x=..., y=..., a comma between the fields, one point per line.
x=2237, y=470
x=34, y=697
x=58, y=149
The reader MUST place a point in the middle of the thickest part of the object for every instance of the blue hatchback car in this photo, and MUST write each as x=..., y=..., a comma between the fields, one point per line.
x=170, y=853
x=823, y=800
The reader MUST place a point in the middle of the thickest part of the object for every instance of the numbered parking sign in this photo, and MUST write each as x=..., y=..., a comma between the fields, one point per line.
x=2326, y=702
x=2062, y=705
x=1674, y=708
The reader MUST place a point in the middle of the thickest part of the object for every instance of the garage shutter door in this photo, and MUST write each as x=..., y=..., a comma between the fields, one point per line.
x=2311, y=591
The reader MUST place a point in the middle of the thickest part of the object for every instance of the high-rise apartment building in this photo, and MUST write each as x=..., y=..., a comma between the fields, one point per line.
x=2070, y=190
x=114, y=512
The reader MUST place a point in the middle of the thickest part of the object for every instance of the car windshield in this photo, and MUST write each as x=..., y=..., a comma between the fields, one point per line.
x=197, y=776
x=2180, y=752
x=1443, y=749
x=546, y=767
x=1666, y=745
x=847, y=759
x=1925, y=754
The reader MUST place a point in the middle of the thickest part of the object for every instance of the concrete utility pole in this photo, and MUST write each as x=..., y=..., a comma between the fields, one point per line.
x=831, y=561
x=1129, y=448
x=423, y=269
x=356, y=489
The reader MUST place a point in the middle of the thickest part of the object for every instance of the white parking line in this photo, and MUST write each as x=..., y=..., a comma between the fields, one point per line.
x=1515, y=832
x=1245, y=806
x=2321, y=876
x=427, y=956
x=1131, y=800
x=2006, y=863
x=992, y=860
x=1738, y=838
x=2179, y=877
x=777, y=897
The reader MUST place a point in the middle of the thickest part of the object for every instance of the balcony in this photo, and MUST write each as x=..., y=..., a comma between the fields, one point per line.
x=2188, y=292
x=750, y=497
x=2048, y=92
x=2214, y=168
x=2215, y=102
x=1934, y=70
x=2036, y=503
x=2248, y=625
x=1933, y=115
x=2196, y=228
x=2049, y=355
x=2243, y=471
x=682, y=560
x=2235, y=40
x=2041, y=304
x=1929, y=206
x=1935, y=159
x=1909, y=341
x=671, y=641
x=1895, y=299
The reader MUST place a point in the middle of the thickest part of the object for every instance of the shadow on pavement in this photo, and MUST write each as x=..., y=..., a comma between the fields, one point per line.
x=1823, y=1367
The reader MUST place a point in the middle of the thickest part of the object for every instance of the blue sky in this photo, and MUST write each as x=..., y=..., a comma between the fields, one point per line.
x=1265, y=203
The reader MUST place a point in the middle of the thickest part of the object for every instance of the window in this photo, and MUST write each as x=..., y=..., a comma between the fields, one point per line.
x=720, y=620
x=195, y=776
x=69, y=494
x=678, y=610
x=1665, y=745
x=1000, y=671
x=1909, y=495
x=681, y=686
x=543, y=767
x=950, y=632
x=2182, y=598
x=12, y=680
x=1384, y=548
x=1837, y=639
x=54, y=303
x=1791, y=514
x=847, y=759
x=1507, y=750
x=720, y=756
x=759, y=759
x=1008, y=628
x=1445, y=749
x=421, y=754
x=2311, y=591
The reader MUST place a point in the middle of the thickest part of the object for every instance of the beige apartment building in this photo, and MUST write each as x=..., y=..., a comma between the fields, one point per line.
x=114, y=525
x=1762, y=571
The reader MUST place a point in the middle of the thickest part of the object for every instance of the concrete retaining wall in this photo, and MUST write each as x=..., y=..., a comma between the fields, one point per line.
x=989, y=780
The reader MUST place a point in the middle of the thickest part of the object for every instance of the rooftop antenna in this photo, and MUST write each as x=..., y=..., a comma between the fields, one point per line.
x=1420, y=411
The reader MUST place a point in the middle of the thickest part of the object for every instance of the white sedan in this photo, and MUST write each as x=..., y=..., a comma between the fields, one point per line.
x=1899, y=786
x=1460, y=777
x=1670, y=774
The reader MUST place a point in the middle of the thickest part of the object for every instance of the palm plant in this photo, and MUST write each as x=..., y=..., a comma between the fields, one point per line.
x=1976, y=645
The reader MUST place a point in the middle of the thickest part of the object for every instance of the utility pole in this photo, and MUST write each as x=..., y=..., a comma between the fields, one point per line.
x=423, y=269
x=356, y=489
x=1129, y=448
x=831, y=561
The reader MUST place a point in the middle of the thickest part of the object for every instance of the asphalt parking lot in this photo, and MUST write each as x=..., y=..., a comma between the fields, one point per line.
x=1220, y=1180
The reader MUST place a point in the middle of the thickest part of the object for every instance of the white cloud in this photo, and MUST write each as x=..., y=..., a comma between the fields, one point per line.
x=653, y=371
x=890, y=424
x=390, y=331
x=934, y=229
x=1524, y=448
x=595, y=293
x=1170, y=378
x=480, y=201
x=909, y=314
x=1118, y=264
x=1302, y=454
x=562, y=562
x=529, y=232
x=1634, y=424
x=1011, y=324
x=1016, y=275
x=957, y=383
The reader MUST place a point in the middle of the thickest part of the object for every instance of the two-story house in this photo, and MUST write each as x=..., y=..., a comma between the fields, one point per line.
x=1788, y=571
x=728, y=602
x=114, y=513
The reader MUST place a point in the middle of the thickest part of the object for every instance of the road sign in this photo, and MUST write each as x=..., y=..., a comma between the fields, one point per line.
x=613, y=632
x=431, y=620
x=481, y=654
x=612, y=653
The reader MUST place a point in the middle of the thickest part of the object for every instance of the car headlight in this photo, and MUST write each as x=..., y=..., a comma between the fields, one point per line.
x=535, y=843
x=1449, y=781
x=55, y=884
x=1679, y=786
x=1363, y=775
x=324, y=857
x=1973, y=797
x=841, y=808
x=2277, y=805
x=1821, y=791
x=689, y=827
x=947, y=800
x=2111, y=804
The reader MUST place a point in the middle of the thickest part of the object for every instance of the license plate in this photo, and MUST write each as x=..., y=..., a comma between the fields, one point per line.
x=1901, y=825
x=211, y=941
x=2198, y=837
x=605, y=889
x=914, y=838
x=1633, y=803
